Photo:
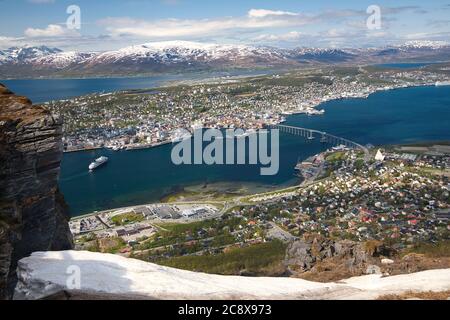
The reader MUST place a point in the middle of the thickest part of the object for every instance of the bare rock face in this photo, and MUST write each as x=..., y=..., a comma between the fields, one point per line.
x=304, y=255
x=33, y=214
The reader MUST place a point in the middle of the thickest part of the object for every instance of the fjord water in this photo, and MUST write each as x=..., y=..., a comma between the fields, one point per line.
x=136, y=177
x=404, y=65
x=44, y=90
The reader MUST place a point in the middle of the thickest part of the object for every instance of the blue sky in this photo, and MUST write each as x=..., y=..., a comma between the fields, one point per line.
x=111, y=24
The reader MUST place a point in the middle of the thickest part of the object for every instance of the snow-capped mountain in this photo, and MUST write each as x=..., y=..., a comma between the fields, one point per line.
x=425, y=44
x=184, y=56
x=179, y=52
x=25, y=54
x=324, y=55
x=62, y=59
x=173, y=51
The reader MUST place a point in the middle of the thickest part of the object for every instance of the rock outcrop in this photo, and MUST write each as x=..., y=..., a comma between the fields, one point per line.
x=342, y=256
x=33, y=214
x=90, y=275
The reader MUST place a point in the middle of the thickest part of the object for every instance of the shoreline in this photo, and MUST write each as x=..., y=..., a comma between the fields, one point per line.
x=141, y=75
x=286, y=113
x=129, y=148
x=274, y=189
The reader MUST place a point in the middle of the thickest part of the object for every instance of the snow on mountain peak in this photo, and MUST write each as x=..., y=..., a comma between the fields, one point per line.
x=169, y=55
x=419, y=44
x=180, y=51
x=25, y=54
x=63, y=59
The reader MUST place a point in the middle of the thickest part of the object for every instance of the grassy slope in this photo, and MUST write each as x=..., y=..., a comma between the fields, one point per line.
x=260, y=259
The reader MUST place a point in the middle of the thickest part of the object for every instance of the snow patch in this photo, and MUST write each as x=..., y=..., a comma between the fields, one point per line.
x=45, y=273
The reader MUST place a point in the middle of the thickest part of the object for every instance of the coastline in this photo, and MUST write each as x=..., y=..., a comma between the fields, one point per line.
x=142, y=75
x=313, y=106
x=274, y=190
x=128, y=148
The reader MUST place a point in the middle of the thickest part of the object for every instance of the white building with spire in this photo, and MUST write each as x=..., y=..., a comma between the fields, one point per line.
x=379, y=156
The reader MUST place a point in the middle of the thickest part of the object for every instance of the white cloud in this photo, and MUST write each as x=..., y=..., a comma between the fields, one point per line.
x=261, y=13
x=7, y=42
x=52, y=30
x=432, y=36
x=377, y=34
x=290, y=36
x=345, y=27
x=256, y=19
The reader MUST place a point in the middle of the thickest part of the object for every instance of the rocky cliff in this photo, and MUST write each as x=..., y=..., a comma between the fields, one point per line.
x=33, y=214
x=322, y=259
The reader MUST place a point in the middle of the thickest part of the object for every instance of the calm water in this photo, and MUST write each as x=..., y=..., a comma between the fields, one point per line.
x=43, y=90
x=412, y=65
x=136, y=177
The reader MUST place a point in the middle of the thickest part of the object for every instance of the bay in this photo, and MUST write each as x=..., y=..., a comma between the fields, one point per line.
x=406, y=115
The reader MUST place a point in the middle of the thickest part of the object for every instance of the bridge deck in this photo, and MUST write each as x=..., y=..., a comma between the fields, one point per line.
x=309, y=134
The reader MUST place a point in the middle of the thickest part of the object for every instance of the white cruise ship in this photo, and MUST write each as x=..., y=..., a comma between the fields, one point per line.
x=97, y=163
x=442, y=83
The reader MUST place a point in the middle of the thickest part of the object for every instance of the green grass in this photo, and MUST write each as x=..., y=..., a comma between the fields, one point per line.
x=260, y=259
x=127, y=218
x=336, y=156
x=437, y=250
x=115, y=245
x=359, y=164
x=177, y=233
x=223, y=240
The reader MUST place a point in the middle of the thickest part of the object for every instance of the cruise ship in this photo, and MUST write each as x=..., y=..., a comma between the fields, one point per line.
x=97, y=163
x=180, y=134
x=442, y=83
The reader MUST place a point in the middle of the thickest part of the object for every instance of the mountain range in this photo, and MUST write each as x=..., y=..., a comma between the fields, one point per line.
x=182, y=56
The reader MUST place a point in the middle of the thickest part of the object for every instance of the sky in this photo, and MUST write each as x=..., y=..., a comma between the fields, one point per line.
x=113, y=24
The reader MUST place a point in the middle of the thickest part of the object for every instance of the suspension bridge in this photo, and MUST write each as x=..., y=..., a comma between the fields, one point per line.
x=311, y=134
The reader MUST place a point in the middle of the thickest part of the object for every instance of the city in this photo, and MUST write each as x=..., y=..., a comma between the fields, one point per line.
x=139, y=119
x=237, y=158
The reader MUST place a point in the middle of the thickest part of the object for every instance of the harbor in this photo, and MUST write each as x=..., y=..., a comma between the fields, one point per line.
x=148, y=175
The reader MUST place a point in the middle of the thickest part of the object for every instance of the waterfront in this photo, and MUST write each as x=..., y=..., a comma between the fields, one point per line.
x=142, y=176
